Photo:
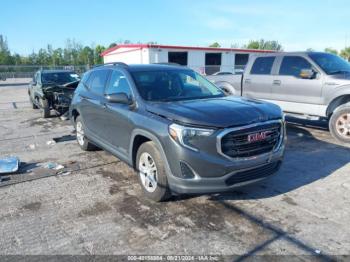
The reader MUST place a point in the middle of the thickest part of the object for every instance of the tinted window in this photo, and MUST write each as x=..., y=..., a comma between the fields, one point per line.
x=98, y=80
x=174, y=85
x=262, y=65
x=330, y=63
x=85, y=78
x=59, y=78
x=292, y=65
x=118, y=84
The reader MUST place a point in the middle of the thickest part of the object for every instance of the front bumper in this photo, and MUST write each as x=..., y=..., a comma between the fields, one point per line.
x=215, y=173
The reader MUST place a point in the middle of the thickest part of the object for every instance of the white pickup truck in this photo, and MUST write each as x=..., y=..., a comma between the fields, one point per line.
x=304, y=84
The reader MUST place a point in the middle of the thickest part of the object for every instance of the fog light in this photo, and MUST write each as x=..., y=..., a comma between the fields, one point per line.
x=186, y=171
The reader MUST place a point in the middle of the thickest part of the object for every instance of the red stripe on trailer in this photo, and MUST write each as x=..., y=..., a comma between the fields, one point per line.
x=106, y=52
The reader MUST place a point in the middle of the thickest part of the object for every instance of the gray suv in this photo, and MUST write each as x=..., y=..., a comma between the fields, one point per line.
x=178, y=130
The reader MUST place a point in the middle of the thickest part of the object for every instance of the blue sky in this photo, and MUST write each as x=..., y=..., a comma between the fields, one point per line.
x=297, y=25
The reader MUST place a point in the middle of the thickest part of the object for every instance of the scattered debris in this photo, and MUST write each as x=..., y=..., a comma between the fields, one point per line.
x=9, y=164
x=64, y=138
x=32, y=146
x=64, y=173
x=53, y=166
x=51, y=143
x=318, y=251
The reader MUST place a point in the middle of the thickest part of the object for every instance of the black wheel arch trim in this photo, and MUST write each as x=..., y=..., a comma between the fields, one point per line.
x=152, y=138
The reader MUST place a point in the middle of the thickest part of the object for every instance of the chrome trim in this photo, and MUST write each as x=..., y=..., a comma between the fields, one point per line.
x=228, y=130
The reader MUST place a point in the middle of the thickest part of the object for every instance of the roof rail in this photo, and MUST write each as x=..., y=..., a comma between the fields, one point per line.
x=113, y=63
x=167, y=64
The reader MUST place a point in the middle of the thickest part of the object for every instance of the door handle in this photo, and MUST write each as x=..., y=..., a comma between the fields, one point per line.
x=247, y=81
x=276, y=82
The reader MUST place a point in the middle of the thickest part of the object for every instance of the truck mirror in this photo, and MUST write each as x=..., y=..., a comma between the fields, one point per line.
x=307, y=73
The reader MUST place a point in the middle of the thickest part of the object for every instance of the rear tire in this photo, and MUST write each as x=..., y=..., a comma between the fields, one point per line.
x=83, y=142
x=151, y=171
x=339, y=124
x=45, y=108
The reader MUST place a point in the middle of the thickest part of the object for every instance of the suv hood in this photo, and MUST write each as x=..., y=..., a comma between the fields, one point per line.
x=217, y=112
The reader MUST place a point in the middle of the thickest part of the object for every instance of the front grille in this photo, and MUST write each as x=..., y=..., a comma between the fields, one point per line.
x=236, y=144
x=253, y=174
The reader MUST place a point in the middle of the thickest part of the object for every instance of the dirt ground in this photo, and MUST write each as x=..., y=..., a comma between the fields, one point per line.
x=95, y=206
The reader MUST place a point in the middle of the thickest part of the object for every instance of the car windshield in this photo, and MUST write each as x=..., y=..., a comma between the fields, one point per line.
x=59, y=78
x=174, y=85
x=331, y=64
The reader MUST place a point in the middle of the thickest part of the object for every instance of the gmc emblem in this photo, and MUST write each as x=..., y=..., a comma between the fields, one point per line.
x=258, y=136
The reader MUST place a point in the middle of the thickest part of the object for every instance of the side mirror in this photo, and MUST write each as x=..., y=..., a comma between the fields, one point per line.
x=307, y=74
x=120, y=98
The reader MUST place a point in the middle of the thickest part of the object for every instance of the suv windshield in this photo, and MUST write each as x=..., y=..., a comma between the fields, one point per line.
x=59, y=78
x=330, y=63
x=174, y=85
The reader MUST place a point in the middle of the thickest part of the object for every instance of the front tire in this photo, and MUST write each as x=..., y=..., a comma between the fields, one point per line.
x=151, y=172
x=83, y=142
x=339, y=124
x=45, y=108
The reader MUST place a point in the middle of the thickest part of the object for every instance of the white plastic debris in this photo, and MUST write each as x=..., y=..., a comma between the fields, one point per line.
x=318, y=251
x=58, y=167
x=50, y=143
x=32, y=146
x=64, y=173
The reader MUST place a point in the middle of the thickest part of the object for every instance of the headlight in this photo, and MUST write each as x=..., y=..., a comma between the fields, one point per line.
x=185, y=135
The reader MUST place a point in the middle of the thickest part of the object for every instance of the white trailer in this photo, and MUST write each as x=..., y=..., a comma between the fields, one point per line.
x=206, y=60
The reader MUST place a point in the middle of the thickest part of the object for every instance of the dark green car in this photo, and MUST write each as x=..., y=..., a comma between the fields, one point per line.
x=52, y=90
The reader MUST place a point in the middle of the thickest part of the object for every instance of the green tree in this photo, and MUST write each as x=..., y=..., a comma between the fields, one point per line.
x=345, y=53
x=215, y=44
x=264, y=45
x=97, y=54
x=5, y=55
x=331, y=50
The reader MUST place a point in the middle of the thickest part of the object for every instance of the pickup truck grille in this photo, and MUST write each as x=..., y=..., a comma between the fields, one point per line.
x=251, y=141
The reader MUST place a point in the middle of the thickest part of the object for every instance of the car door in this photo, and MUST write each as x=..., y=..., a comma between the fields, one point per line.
x=257, y=81
x=292, y=92
x=117, y=126
x=92, y=107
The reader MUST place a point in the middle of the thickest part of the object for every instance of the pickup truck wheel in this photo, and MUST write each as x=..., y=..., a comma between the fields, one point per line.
x=45, y=108
x=339, y=124
x=83, y=142
x=151, y=172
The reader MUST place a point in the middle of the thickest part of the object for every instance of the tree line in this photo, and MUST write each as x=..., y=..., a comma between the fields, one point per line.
x=74, y=53
x=275, y=45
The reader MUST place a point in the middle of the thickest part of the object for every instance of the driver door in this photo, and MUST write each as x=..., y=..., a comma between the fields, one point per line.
x=117, y=127
x=289, y=86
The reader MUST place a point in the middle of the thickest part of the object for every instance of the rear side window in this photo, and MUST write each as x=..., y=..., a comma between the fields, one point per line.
x=98, y=81
x=292, y=65
x=118, y=84
x=262, y=65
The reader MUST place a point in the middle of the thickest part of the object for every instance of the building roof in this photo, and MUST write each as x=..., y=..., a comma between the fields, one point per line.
x=140, y=46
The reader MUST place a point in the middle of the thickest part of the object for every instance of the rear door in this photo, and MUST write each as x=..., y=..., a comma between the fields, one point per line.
x=292, y=92
x=258, y=79
x=93, y=102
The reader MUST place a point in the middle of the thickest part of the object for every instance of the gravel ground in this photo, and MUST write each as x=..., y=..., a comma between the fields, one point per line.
x=98, y=207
